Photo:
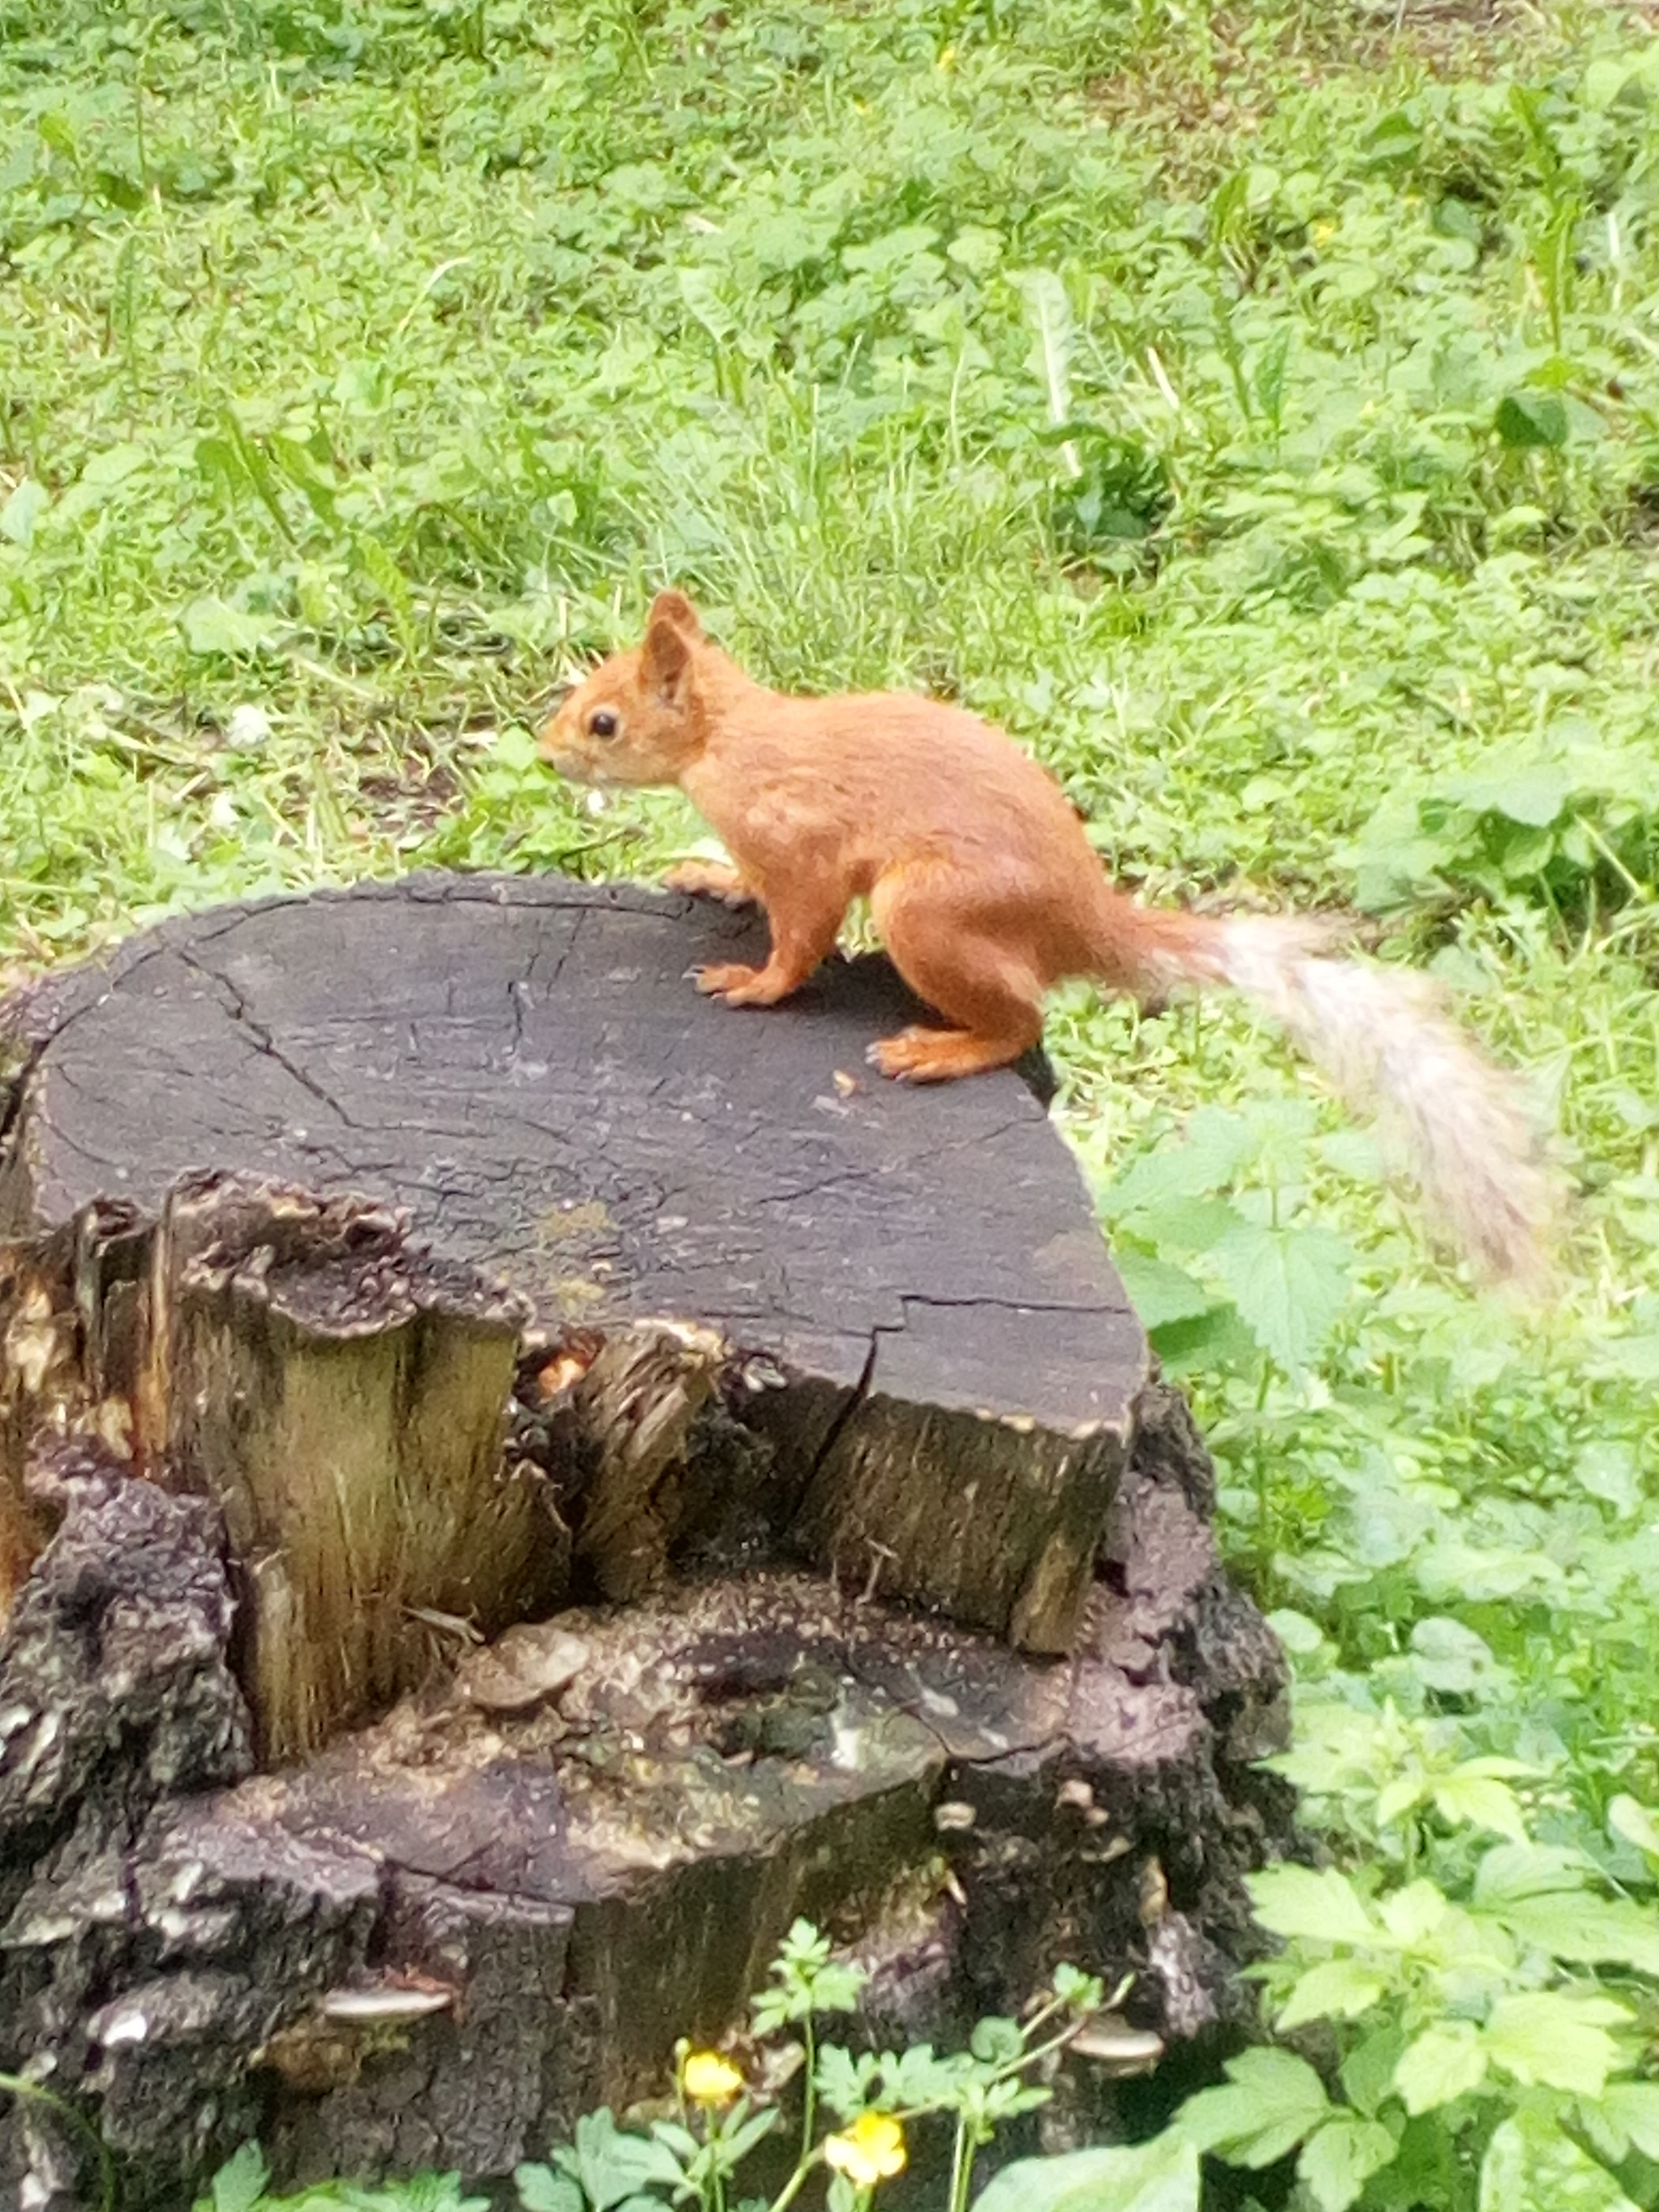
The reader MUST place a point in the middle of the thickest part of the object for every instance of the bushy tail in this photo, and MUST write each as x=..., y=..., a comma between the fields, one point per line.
x=1380, y=1034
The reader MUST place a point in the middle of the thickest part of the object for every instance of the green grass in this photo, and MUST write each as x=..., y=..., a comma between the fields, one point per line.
x=1257, y=411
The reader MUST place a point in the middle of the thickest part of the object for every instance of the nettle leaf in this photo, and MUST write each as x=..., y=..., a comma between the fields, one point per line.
x=1338, y=1989
x=1159, y=1291
x=1547, y=2038
x=1442, y=2064
x=1191, y=1224
x=1213, y=1145
x=1337, y=2160
x=1293, y=1900
x=1289, y=1286
x=1160, y=2176
x=1528, y=419
x=1273, y=2100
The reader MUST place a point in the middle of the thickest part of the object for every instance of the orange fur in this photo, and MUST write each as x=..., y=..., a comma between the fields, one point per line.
x=988, y=893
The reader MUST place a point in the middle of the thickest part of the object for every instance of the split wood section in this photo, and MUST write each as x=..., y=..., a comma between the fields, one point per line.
x=271, y=1171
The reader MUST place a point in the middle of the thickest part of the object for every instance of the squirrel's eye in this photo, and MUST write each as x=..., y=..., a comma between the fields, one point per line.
x=602, y=723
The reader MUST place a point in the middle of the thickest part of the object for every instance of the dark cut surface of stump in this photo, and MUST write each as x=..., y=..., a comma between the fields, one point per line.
x=524, y=1067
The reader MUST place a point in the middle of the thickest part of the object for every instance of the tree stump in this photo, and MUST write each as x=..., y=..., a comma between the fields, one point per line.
x=623, y=1476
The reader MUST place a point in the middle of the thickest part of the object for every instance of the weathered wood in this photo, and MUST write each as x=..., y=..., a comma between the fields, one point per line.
x=334, y=1390
x=262, y=1168
x=340, y=1396
x=446, y=1936
x=940, y=1358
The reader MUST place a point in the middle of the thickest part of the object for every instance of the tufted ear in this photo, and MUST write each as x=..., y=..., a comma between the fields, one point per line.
x=676, y=608
x=666, y=657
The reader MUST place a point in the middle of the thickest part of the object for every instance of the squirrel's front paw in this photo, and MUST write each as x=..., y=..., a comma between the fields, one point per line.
x=723, y=980
x=709, y=879
x=745, y=986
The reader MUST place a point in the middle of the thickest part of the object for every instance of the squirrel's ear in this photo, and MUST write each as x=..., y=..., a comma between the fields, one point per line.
x=674, y=607
x=665, y=656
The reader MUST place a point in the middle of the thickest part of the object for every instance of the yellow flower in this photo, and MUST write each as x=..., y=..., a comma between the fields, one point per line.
x=870, y=2150
x=709, y=2079
x=947, y=56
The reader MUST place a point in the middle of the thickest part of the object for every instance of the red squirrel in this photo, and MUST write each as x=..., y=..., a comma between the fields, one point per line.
x=986, y=893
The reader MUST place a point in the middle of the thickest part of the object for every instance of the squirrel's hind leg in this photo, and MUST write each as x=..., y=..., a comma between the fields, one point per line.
x=944, y=944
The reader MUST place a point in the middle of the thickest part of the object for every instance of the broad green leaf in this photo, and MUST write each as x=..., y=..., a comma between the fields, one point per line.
x=1401, y=1795
x=1544, y=2038
x=1337, y=2160
x=1513, y=1872
x=1271, y=2102
x=1323, y=1906
x=1530, y=2165
x=1367, y=2072
x=1476, y=1800
x=1607, y=1469
x=1191, y=1224
x=1442, y=2064
x=1338, y=1989
x=1602, y=1930
x=1289, y=1286
x=1633, y=2109
x=114, y=464
x=1529, y=792
x=1414, y=1914
x=1450, y=1656
x=1213, y=1147
x=1160, y=2176
x=1532, y=418
x=1159, y=1291
x=1393, y=142
x=210, y=625
x=23, y=509
x=240, y=2182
